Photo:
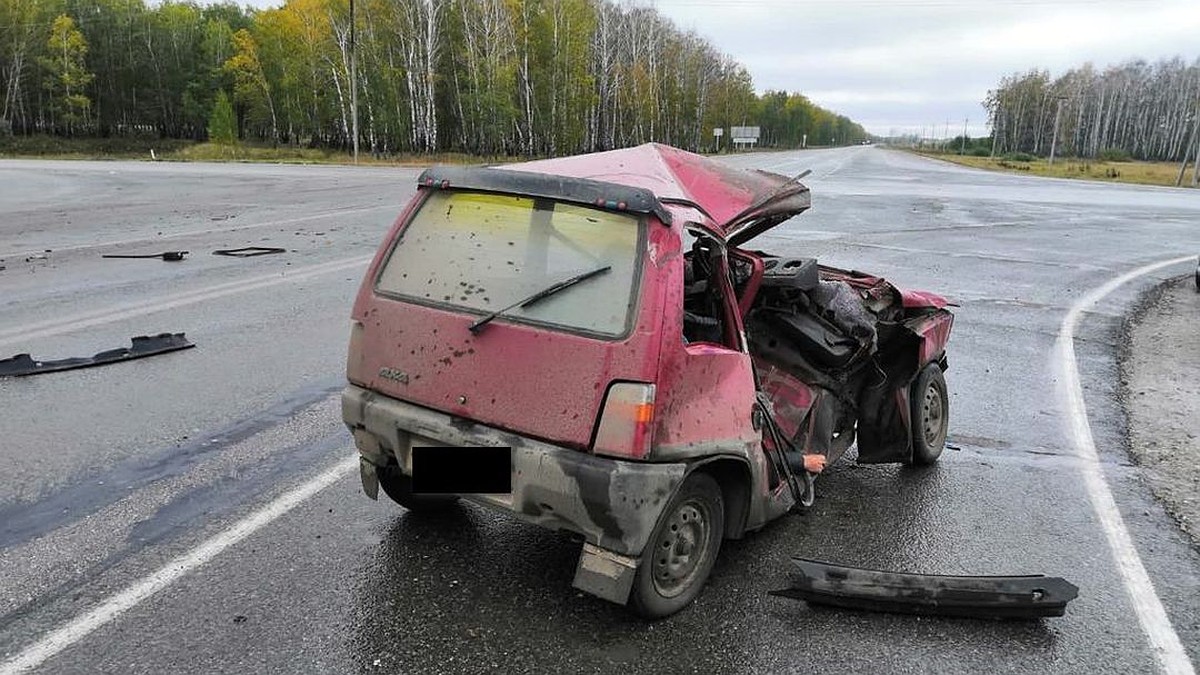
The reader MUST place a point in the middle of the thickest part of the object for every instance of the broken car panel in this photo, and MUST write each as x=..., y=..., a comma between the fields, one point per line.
x=1030, y=596
x=141, y=346
x=670, y=388
x=167, y=256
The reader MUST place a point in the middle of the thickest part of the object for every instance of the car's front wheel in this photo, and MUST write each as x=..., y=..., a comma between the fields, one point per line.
x=682, y=550
x=399, y=487
x=930, y=414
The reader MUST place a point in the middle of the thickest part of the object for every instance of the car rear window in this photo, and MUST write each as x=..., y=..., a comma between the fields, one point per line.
x=482, y=252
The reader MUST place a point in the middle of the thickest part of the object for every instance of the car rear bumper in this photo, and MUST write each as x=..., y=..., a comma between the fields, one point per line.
x=614, y=504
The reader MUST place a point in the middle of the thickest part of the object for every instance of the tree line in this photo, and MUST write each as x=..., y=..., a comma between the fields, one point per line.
x=1136, y=109
x=491, y=77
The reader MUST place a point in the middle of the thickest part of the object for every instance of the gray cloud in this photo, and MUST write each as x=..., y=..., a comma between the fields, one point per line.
x=908, y=64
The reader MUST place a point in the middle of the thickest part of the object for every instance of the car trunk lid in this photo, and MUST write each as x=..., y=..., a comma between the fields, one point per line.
x=541, y=370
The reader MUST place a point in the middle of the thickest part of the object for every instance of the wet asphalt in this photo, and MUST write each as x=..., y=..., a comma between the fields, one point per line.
x=110, y=473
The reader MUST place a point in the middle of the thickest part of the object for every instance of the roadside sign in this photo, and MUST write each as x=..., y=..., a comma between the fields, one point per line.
x=743, y=136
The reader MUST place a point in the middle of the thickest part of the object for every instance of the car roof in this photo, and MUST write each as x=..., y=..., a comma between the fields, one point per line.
x=738, y=203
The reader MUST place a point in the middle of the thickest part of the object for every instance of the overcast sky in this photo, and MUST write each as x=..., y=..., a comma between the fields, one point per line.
x=904, y=65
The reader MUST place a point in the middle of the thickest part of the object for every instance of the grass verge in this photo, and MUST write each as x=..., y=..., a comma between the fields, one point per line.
x=1143, y=173
x=53, y=147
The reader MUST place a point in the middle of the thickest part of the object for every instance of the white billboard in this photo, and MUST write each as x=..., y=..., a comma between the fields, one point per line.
x=744, y=134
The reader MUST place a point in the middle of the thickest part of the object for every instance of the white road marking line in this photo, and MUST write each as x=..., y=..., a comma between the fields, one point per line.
x=95, y=318
x=1164, y=641
x=83, y=625
x=970, y=254
x=212, y=230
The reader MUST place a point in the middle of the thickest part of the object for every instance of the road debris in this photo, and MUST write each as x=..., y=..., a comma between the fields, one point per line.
x=249, y=251
x=168, y=256
x=142, y=346
x=1030, y=596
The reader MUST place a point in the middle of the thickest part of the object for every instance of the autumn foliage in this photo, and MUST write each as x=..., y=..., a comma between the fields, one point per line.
x=490, y=77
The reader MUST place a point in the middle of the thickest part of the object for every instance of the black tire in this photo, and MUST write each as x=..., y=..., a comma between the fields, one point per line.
x=930, y=407
x=399, y=487
x=682, y=550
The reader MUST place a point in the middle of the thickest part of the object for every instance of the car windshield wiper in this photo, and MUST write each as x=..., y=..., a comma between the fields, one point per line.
x=539, y=296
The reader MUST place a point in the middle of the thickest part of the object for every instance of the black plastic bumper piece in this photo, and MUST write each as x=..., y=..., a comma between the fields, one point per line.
x=987, y=597
x=169, y=256
x=143, y=346
x=249, y=251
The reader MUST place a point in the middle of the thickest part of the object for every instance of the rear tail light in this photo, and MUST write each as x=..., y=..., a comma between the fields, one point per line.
x=627, y=423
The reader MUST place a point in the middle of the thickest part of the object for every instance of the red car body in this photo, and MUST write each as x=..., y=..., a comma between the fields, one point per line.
x=637, y=401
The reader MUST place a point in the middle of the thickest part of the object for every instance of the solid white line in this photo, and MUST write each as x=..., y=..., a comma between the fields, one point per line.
x=211, y=230
x=83, y=320
x=80, y=627
x=1164, y=641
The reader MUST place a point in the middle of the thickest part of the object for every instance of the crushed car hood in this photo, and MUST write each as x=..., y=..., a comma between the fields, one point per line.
x=739, y=204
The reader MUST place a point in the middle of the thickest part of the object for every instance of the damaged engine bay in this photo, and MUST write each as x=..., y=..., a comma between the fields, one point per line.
x=834, y=350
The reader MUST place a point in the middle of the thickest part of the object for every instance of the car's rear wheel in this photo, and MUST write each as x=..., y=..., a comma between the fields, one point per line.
x=682, y=550
x=930, y=407
x=399, y=487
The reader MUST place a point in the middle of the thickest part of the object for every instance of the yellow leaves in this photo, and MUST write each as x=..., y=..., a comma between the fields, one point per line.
x=244, y=62
x=249, y=81
x=67, y=50
x=67, y=72
x=307, y=24
x=66, y=38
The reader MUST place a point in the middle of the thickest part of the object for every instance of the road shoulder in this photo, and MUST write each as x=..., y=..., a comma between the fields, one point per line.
x=1160, y=389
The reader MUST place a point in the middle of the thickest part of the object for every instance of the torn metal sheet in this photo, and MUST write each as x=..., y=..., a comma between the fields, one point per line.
x=142, y=346
x=987, y=597
x=248, y=251
x=169, y=256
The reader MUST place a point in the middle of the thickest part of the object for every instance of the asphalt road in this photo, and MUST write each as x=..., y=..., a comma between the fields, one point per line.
x=112, y=473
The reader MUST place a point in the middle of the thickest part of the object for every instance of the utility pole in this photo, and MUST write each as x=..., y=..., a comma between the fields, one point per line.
x=1196, y=169
x=1196, y=141
x=1187, y=148
x=996, y=131
x=1057, y=114
x=353, y=84
x=963, y=150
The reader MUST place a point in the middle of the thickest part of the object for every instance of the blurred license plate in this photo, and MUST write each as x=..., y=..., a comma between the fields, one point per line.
x=441, y=469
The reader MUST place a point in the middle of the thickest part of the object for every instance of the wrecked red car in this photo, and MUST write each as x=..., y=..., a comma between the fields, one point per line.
x=661, y=386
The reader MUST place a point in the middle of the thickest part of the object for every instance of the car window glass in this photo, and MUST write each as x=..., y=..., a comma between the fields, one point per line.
x=483, y=252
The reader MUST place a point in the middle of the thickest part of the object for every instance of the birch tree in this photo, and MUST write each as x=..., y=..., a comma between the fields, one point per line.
x=67, y=75
x=1135, y=109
